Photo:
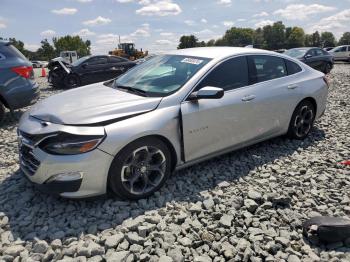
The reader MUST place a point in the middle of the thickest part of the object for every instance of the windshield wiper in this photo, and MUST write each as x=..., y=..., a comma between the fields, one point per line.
x=132, y=89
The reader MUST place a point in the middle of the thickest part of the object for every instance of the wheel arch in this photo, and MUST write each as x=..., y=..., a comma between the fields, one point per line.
x=167, y=142
x=72, y=74
x=310, y=99
x=4, y=102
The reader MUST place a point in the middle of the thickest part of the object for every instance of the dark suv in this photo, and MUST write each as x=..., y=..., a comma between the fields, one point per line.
x=17, y=86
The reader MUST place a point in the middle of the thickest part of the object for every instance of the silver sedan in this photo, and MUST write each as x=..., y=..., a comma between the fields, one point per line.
x=128, y=135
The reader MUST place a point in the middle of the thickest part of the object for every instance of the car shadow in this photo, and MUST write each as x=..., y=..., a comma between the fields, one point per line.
x=33, y=214
x=11, y=119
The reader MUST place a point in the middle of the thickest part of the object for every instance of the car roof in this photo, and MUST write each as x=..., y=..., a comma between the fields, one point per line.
x=303, y=48
x=218, y=52
x=4, y=42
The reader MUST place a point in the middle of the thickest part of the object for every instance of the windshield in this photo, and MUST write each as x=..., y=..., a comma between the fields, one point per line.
x=80, y=60
x=296, y=52
x=161, y=75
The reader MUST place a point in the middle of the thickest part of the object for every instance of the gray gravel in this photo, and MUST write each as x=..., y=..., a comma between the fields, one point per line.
x=248, y=205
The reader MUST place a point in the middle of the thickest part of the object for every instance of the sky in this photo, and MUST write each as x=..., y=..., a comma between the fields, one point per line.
x=156, y=25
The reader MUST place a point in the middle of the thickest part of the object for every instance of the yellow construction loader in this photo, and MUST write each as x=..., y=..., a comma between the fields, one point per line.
x=127, y=50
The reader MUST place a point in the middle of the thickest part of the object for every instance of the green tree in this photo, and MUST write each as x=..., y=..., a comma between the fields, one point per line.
x=345, y=39
x=296, y=38
x=316, y=39
x=46, y=51
x=308, y=40
x=258, y=38
x=238, y=36
x=211, y=42
x=268, y=37
x=188, y=41
x=72, y=43
x=18, y=44
x=328, y=39
x=202, y=44
x=279, y=35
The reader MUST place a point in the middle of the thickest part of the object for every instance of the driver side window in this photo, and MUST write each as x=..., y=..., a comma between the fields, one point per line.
x=97, y=60
x=230, y=74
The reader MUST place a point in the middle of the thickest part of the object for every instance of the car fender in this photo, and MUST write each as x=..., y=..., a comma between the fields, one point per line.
x=164, y=122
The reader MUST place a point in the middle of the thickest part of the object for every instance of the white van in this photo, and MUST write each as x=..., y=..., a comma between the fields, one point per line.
x=341, y=53
x=69, y=56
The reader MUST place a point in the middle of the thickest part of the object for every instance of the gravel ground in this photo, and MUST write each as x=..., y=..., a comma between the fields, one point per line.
x=248, y=205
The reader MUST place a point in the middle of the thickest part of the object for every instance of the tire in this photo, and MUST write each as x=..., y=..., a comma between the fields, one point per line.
x=302, y=120
x=71, y=81
x=327, y=68
x=140, y=169
x=2, y=113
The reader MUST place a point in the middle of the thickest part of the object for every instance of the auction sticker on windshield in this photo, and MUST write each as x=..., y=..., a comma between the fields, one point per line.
x=192, y=61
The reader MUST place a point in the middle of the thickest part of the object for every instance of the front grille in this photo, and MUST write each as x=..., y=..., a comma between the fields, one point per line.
x=26, y=143
x=27, y=160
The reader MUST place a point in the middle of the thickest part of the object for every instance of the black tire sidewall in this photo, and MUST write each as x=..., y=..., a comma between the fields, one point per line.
x=68, y=77
x=114, y=174
x=2, y=113
x=291, y=130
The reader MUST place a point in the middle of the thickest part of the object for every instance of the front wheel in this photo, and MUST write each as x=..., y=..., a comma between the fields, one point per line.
x=2, y=113
x=302, y=120
x=327, y=68
x=71, y=81
x=140, y=169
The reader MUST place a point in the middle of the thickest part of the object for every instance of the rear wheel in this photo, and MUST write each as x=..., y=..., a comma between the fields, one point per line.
x=71, y=81
x=302, y=120
x=140, y=169
x=327, y=68
x=2, y=113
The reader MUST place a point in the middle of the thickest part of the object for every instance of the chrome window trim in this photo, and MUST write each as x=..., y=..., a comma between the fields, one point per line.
x=239, y=88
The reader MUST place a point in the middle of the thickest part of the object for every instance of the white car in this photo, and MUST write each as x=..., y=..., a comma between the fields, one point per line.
x=341, y=53
x=129, y=134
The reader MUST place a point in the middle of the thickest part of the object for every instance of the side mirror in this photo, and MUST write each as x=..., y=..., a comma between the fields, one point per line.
x=85, y=65
x=308, y=56
x=208, y=92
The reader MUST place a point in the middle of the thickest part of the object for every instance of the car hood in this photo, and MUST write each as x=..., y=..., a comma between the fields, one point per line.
x=91, y=105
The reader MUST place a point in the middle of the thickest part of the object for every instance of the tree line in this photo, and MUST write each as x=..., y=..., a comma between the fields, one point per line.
x=48, y=51
x=271, y=37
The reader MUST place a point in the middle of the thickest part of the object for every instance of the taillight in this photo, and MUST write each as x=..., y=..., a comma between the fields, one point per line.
x=23, y=71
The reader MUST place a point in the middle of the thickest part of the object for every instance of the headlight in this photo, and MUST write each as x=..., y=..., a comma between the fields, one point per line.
x=67, y=144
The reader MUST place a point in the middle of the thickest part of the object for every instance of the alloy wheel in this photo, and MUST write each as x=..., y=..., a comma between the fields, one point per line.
x=143, y=170
x=303, y=121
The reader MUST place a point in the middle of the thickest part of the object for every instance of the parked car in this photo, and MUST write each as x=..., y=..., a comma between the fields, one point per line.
x=328, y=48
x=129, y=134
x=17, y=86
x=87, y=70
x=315, y=57
x=37, y=64
x=341, y=53
x=142, y=60
x=44, y=63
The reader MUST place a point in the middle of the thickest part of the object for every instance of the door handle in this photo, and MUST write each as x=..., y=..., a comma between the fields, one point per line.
x=292, y=86
x=248, y=98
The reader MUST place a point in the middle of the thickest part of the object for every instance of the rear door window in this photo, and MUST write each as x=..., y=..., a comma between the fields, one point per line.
x=263, y=68
x=115, y=60
x=98, y=60
x=292, y=68
x=11, y=51
x=318, y=52
x=229, y=75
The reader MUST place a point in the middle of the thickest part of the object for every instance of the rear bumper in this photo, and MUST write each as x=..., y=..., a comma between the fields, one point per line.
x=22, y=95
